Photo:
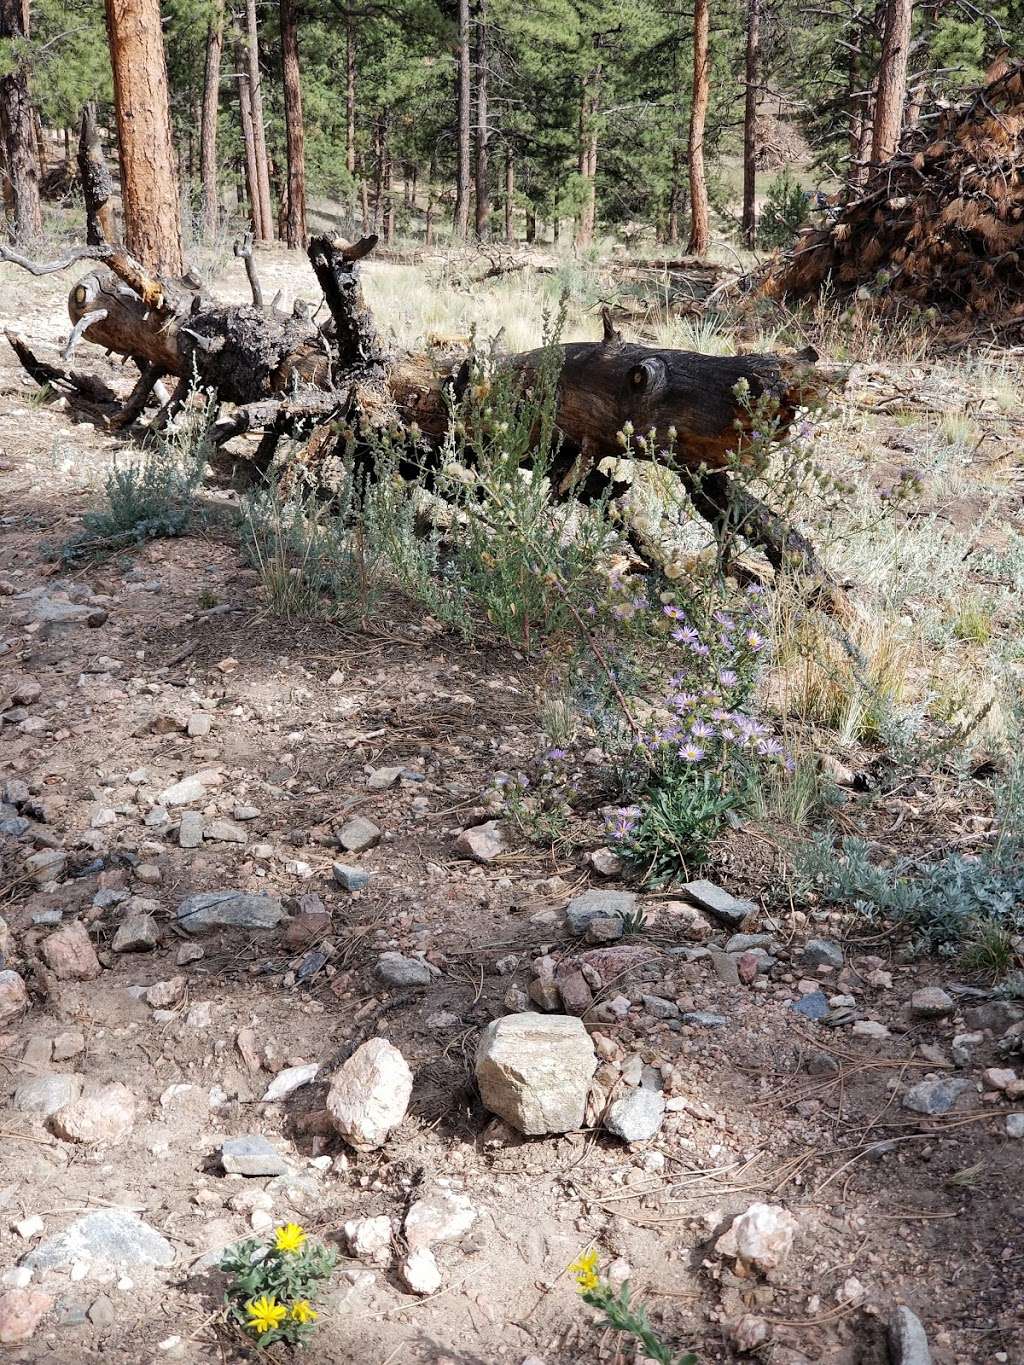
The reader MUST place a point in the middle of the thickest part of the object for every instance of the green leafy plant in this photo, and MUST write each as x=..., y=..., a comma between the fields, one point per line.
x=620, y=1314
x=784, y=212
x=273, y=1284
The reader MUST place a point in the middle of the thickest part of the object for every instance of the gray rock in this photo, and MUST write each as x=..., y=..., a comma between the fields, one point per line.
x=726, y=967
x=14, y=826
x=718, y=902
x=107, y=1237
x=1015, y=1125
x=997, y=1015
x=931, y=1002
x=704, y=1019
x=660, y=1008
x=46, y=1094
x=183, y=793
x=251, y=1156
x=138, y=934
x=382, y=778
x=545, y=994
x=358, y=834
x=224, y=832
x=397, y=970
x=908, y=1343
x=823, y=952
x=52, y=612
x=110, y=895
x=199, y=725
x=229, y=910
x=483, y=843
x=742, y=943
x=637, y=1116
x=534, y=1071
x=190, y=829
x=351, y=878
x=812, y=1006
x=937, y=1096
x=582, y=910
x=601, y=931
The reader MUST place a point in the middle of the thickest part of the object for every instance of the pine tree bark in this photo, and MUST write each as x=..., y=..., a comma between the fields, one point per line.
x=753, y=65
x=462, y=100
x=211, y=106
x=587, y=161
x=97, y=186
x=483, y=199
x=149, y=190
x=17, y=131
x=892, y=81
x=252, y=183
x=700, y=225
x=675, y=195
x=295, y=133
x=259, y=139
x=510, y=194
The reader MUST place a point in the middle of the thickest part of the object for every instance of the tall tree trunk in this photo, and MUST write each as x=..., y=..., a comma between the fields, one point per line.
x=892, y=80
x=211, y=106
x=675, y=195
x=252, y=183
x=350, y=92
x=462, y=100
x=700, y=226
x=483, y=199
x=510, y=193
x=587, y=162
x=389, y=198
x=259, y=139
x=97, y=186
x=149, y=190
x=295, y=133
x=17, y=131
x=531, y=222
x=750, y=122
x=428, y=224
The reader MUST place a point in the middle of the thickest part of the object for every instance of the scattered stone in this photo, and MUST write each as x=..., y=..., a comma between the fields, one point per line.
x=106, y=1116
x=13, y=995
x=29, y=1227
x=742, y=943
x=605, y=930
x=870, y=1028
x=726, y=967
x=1015, y=1125
x=995, y=1015
x=704, y=1019
x=358, y=834
x=199, y=725
x=190, y=829
x=604, y=862
x=690, y=922
x=419, y=1271
x=659, y=1007
x=248, y=1049
x=101, y=1312
x=370, y=1094
x=351, y=878
x=289, y=1080
x=823, y=952
x=576, y=994
x=183, y=793
x=46, y=865
x=224, y=832
x=21, y=1312
x=444, y=1216
x=397, y=970
x=637, y=1116
x=545, y=994
x=246, y=812
x=380, y=779
x=534, y=1071
x=138, y=934
x=582, y=910
x=109, y=1237
x=908, y=1342
x=931, y=1002
x=761, y=1238
x=162, y=994
x=749, y=1333
x=68, y=1044
x=44, y=1095
x=369, y=1239
x=719, y=902
x=936, y=1096
x=229, y=910
x=483, y=843
x=814, y=1005
x=70, y=955
x=252, y=1156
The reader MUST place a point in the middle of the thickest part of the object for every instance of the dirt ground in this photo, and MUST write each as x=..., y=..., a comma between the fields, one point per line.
x=770, y=1106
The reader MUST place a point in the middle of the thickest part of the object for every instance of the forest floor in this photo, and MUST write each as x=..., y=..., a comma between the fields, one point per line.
x=289, y=723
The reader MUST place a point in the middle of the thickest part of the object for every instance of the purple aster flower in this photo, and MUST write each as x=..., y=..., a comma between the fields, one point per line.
x=700, y=729
x=674, y=613
x=685, y=635
x=754, y=641
x=769, y=748
x=691, y=753
x=701, y=651
x=727, y=677
x=556, y=755
x=724, y=619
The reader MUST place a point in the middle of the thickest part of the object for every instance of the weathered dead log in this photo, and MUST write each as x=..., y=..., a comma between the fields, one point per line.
x=97, y=186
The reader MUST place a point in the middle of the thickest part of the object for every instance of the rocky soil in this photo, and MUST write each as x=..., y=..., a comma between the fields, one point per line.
x=267, y=956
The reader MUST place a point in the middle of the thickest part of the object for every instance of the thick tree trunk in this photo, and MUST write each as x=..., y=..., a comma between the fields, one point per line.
x=295, y=232
x=510, y=194
x=350, y=93
x=17, y=132
x=149, y=190
x=462, y=142
x=531, y=222
x=483, y=199
x=252, y=183
x=97, y=186
x=700, y=226
x=211, y=106
x=259, y=139
x=587, y=156
x=750, y=122
x=892, y=80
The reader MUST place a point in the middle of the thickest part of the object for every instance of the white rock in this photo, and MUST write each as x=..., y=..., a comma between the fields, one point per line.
x=420, y=1271
x=29, y=1227
x=369, y=1096
x=369, y=1238
x=289, y=1080
x=444, y=1216
x=761, y=1238
x=534, y=1071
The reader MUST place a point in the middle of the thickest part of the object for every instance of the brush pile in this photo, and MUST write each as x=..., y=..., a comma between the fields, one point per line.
x=941, y=224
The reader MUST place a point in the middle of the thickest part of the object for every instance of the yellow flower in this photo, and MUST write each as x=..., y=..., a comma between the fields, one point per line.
x=303, y=1311
x=265, y=1313
x=289, y=1239
x=584, y=1269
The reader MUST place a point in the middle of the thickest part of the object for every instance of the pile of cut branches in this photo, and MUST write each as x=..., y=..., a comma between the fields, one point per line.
x=942, y=223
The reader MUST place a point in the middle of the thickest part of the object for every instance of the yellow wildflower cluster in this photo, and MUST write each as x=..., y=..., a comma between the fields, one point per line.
x=584, y=1271
x=265, y=1313
x=289, y=1239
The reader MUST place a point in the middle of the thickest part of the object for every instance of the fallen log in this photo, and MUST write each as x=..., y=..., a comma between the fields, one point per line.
x=285, y=375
